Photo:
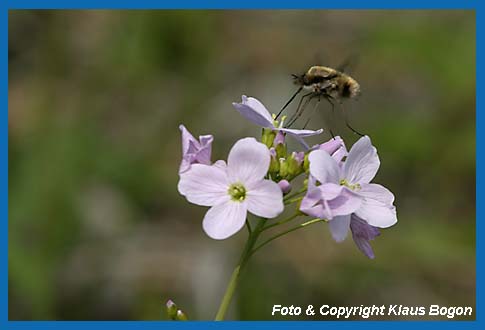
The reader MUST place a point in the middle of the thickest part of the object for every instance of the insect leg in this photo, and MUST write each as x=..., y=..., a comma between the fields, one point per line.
x=347, y=121
x=300, y=111
x=329, y=100
x=289, y=101
x=313, y=111
x=299, y=106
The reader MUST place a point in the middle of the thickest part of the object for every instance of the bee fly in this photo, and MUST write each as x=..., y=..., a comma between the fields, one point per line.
x=323, y=82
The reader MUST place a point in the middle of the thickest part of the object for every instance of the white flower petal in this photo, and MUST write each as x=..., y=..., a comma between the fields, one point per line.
x=265, y=199
x=377, y=208
x=204, y=185
x=254, y=111
x=221, y=164
x=323, y=167
x=224, y=220
x=339, y=227
x=362, y=162
x=301, y=132
x=248, y=161
x=377, y=192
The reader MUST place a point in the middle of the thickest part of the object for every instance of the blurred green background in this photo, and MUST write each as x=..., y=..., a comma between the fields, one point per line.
x=97, y=229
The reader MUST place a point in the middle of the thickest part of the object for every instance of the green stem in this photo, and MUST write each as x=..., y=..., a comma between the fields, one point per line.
x=287, y=197
x=282, y=221
x=231, y=287
x=291, y=201
x=248, y=226
x=310, y=222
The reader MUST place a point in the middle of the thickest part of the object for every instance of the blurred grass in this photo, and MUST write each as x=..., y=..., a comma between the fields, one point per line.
x=97, y=229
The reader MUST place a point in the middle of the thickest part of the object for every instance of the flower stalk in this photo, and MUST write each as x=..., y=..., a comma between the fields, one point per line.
x=302, y=225
x=233, y=282
x=248, y=251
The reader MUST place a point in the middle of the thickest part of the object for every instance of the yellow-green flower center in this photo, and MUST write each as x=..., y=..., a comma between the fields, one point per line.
x=237, y=192
x=344, y=182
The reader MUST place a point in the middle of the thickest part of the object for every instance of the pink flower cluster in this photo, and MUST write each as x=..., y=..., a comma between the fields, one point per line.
x=257, y=175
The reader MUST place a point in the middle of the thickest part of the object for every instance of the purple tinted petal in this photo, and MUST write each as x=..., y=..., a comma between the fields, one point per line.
x=339, y=227
x=330, y=191
x=187, y=160
x=203, y=155
x=193, y=147
x=224, y=220
x=329, y=200
x=248, y=161
x=254, y=111
x=265, y=199
x=332, y=145
x=186, y=139
x=314, y=205
x=310, y=204
x=362, y=233
x=194, y=151
x=346, y=203
x=362, y=162
x=206, y=140
x=323, y=167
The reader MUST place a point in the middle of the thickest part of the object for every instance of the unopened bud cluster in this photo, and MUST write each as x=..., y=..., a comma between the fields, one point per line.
x=174, y=313
x=283, y=166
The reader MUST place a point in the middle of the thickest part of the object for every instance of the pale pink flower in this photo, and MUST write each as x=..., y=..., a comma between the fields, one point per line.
x=350, y=186
x=234, y=189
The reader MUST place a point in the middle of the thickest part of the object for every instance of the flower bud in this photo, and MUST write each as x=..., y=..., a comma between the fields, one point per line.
x=281, y=150
x=295, y=162
x=306, y=164
x=274, y=165
x=283, y=168
x=279, y=144
x=181, y=316
x=171, y=310
x=268, y=137
x=285, y=186
x=279, y=138
x=332, y=145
